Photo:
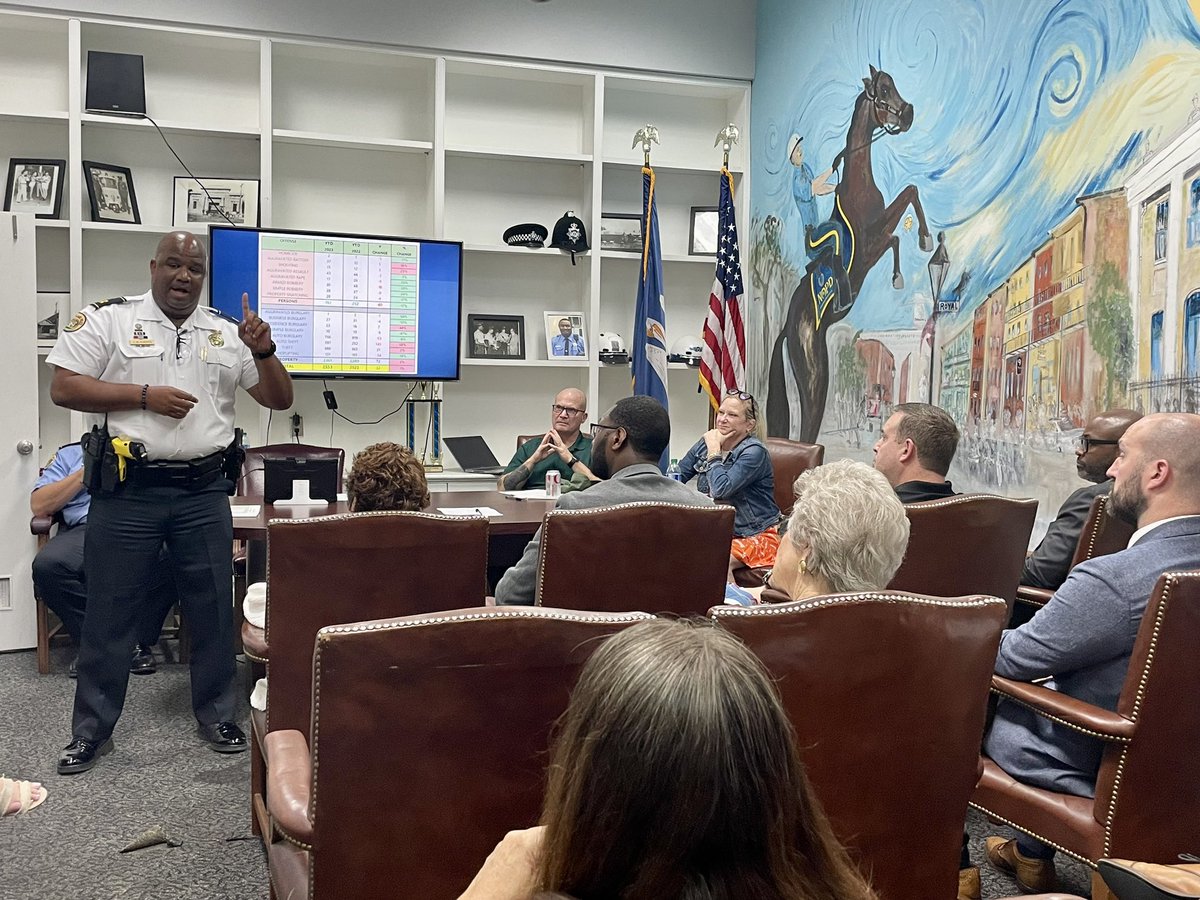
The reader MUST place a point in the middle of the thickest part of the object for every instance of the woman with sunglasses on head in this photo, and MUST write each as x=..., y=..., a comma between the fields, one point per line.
x=733, y=467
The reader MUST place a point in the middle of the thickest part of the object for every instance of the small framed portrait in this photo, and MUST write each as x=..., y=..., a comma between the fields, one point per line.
x=566, y=337
x=50, y=307
x=35, y=186
x=702, y=235
x=621, y=231
x=495, y=337
x=110, y=192
x=216, y=201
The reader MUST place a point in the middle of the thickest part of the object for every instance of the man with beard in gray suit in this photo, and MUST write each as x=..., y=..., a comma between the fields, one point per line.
x=1083, y=638
x=626, y=447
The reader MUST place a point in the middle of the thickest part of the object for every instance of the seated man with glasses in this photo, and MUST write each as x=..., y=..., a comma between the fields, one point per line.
x=627, y=445
x=1095, y=451
x=564, y=447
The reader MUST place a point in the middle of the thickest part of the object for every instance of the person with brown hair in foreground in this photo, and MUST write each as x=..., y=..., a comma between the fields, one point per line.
x=674, y=775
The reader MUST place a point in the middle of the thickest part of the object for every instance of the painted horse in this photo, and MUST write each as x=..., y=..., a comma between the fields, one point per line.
x=844, y=248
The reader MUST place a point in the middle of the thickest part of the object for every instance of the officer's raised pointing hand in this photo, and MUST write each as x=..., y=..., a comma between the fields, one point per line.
x=254, y=332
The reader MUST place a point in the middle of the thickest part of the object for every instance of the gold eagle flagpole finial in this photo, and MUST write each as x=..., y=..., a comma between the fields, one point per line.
x=646, y=135
x=726, y=138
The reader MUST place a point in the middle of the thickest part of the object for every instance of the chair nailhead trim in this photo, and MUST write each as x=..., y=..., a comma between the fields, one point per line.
x=1045, y=840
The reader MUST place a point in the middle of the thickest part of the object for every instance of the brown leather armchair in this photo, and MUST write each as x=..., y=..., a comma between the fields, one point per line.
x=431, y=732
x=788, y=460
x=659, y=557
x=348, y=568
x=888, y=695
x=966, y=544
x=1102, y=534
x=523, y=438
x=1147, y=789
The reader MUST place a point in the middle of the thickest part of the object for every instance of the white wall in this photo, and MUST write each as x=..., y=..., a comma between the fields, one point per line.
x=693, y=37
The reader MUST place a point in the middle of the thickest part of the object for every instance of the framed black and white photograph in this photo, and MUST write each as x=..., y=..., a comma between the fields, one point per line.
x=621, y=231
x=495, y=337
x=50, y=307
x=35, y=186
x=216, y=201
x=702, y=235
x=110, y=191
x=566, y=337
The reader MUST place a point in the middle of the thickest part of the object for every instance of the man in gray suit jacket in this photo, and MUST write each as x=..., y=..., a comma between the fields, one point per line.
x=1048, y=565
x=1083, y=638
x=626, y=447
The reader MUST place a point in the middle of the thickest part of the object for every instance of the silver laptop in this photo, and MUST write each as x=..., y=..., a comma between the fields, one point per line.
x=473, y=454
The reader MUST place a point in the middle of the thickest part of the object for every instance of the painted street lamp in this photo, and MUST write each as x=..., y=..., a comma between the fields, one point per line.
x=939, y=267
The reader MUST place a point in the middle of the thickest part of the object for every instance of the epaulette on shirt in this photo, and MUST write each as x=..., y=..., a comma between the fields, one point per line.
x=100, y=304
x=220, y=315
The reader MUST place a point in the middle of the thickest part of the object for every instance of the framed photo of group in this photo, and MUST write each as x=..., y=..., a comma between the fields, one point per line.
x=35, y=186
x=566, y=337
x=495, y=337
x=110, y=192
x=621, y=231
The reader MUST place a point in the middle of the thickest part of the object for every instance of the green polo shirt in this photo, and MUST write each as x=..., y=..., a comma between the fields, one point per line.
x=581, y=450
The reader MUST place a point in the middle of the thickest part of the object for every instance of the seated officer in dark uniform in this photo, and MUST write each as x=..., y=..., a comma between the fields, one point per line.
x=163, y=373
x=58, y=566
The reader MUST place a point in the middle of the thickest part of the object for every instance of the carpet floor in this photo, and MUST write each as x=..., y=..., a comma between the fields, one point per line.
x=161, y=774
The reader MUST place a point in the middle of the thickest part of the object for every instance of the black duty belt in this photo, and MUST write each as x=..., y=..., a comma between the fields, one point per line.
x=193, y=473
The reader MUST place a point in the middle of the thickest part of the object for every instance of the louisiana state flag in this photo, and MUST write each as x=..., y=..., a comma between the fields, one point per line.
x=649, y=344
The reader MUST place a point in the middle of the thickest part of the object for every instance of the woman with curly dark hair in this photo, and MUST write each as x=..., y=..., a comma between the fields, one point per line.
x=386, y=476
x=674, y=776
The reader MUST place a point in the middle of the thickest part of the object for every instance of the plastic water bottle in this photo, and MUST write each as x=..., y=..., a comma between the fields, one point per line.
x=673, y=470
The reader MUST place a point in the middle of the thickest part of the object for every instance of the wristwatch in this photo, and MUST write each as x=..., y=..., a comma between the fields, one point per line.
x=571, y=462
x=268, y=354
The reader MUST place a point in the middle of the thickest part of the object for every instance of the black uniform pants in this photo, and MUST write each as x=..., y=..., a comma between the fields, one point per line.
x=58, y=575
x=125, y=533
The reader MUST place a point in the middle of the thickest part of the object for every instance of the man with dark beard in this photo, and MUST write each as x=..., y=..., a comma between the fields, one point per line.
x=1083, y=638
x=626, y=447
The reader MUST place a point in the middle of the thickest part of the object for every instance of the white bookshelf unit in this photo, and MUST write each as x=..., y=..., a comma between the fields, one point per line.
x=346, y=137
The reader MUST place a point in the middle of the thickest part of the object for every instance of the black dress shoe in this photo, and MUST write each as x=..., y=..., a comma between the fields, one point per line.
x=143, y=661
x=224, y=737
x=80, y=755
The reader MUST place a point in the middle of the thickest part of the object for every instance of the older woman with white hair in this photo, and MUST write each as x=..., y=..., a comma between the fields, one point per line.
x=847, y=532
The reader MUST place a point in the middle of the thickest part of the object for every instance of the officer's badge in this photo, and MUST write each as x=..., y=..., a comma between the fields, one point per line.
x=140, y=338
x=77, y=321
x=216, y=339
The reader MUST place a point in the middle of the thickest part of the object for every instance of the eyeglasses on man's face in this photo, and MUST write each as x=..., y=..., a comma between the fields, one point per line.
x=1083, y=443
x=566, y=410
x=597, y=426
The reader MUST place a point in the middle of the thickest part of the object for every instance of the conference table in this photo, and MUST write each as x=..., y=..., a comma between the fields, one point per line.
x=508, y=533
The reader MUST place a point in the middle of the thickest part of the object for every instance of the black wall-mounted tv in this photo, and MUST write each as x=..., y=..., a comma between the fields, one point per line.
x=345, y=305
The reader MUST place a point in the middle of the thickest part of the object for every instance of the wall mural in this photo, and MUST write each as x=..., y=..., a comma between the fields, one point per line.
x=1033, y=169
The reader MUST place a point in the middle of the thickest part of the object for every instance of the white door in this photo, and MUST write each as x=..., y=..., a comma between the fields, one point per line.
x=18, y=428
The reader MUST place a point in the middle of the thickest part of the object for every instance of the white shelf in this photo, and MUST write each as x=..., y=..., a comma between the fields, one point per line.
x=167, y=126
x=546, y=252
x=668, y=166
x=502, y=153
x=30, y=118
x=529, y=363
x=51, y=223
x=129, y=227
x=350, y=142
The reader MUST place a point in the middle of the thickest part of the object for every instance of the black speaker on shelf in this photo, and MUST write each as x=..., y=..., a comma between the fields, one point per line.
x=116, y=84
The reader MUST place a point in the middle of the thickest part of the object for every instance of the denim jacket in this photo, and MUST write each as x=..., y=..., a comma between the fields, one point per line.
x=743, y=478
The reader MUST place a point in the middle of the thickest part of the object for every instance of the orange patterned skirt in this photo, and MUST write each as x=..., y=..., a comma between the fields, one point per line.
x=758, y=549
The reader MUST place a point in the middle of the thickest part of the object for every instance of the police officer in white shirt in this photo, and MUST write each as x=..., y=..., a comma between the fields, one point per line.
x=164, y=372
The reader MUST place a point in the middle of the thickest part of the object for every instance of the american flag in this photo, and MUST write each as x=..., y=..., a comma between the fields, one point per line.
x=723, y=358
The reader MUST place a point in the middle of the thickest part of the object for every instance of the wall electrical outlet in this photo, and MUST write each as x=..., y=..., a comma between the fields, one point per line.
x=6, y=592
x=297, y=425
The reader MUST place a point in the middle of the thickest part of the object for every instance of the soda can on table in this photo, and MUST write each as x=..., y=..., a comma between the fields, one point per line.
x=553, y=485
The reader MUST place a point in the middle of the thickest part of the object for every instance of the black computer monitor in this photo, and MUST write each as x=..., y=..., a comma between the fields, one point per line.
x=280, y=471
